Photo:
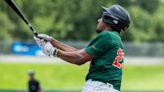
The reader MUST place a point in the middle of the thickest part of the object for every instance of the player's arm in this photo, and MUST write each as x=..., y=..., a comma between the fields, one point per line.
x=62, y=46
x=56, y=43
x=76, y=57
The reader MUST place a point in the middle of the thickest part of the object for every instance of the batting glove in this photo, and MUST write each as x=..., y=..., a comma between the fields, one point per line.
x=46, y=47
x=45, y=37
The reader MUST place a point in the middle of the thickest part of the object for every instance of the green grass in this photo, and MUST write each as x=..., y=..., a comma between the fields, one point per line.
x=143, y=78
x=67, y=76
x=51, y=76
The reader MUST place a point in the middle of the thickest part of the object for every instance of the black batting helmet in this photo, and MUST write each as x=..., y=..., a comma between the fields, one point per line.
x=117, y=17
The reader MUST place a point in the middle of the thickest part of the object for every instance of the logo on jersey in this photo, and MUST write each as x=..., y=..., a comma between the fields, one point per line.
x=118, y=60
x=94, y=47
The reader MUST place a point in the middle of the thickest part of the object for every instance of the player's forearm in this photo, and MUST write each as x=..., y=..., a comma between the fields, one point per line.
x=72, y=57
x=62, y=46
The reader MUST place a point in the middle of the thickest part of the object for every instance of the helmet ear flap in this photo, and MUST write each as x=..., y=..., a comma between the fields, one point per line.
x=108, y=19
x=111, y=21
x=115, y=21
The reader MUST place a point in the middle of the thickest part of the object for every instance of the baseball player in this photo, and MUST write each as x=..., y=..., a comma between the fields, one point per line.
x=33, y=84
x=105, y=52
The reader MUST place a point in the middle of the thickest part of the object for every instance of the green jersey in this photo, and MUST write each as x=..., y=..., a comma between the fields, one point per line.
x=107, y=63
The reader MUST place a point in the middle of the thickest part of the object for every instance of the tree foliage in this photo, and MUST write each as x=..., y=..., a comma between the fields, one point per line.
x=77, y=19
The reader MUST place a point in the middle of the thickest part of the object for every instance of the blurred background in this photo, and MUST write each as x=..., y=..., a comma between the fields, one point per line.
x=74, y=23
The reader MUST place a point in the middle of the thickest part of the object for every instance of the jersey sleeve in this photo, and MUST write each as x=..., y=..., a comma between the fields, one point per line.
x=99, y=45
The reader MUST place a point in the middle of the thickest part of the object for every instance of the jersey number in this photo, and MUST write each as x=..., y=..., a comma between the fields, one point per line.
x=118, y=59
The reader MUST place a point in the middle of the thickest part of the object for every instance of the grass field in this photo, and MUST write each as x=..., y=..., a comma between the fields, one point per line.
x=67, y=76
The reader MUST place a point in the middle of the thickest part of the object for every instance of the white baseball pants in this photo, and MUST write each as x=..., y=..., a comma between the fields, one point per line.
x=97, y=86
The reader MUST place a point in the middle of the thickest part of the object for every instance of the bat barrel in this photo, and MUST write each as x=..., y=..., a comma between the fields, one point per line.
x=17, y=10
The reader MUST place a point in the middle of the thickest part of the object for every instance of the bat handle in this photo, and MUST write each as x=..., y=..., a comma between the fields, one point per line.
x=33, y=30
x=36, y=34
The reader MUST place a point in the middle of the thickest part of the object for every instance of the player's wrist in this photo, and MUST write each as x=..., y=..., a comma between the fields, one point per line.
x=56, y=52
x=50, y=38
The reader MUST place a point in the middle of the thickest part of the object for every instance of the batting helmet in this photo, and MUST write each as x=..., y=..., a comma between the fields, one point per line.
x=117, y=17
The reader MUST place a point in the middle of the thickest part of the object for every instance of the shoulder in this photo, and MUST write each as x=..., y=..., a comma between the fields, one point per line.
x=105, y=37
x=104, y=33
x=35, y=81
x=108, y=35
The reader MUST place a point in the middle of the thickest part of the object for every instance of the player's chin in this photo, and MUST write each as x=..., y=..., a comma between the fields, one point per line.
x=98, y=30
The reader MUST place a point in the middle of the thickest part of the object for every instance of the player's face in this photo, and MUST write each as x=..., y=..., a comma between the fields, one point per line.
x=100, y=26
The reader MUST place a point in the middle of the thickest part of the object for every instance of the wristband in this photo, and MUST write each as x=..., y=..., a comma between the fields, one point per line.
x=56, y=52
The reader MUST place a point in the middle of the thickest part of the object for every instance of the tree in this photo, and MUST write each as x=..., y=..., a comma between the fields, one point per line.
x=77, y=20
x=6, y=27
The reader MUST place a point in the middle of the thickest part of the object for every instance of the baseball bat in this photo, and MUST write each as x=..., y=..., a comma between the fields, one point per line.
x=13, y=5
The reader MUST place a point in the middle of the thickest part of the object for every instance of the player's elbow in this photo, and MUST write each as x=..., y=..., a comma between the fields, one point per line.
x=80, y=60
x=80, y=63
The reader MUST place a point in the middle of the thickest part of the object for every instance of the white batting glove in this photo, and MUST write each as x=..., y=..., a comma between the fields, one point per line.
x=45, y=37
x=39, y=41
x=46, y=47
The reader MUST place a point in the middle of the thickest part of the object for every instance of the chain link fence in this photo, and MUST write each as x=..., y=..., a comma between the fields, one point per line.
x=144, y=49
x=155, y=49
x=5, y=47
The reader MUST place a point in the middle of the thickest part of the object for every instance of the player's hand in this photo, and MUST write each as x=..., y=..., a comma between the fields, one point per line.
x=45, y=37
x=46, y=47
x=39, y=41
